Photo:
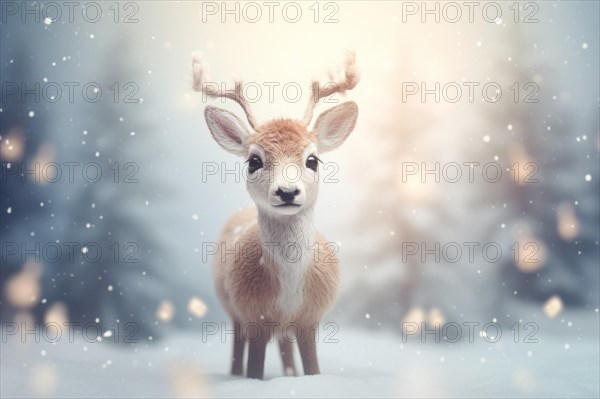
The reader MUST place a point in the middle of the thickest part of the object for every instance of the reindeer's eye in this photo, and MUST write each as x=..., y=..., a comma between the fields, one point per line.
x=312, y=162
x=254, y=163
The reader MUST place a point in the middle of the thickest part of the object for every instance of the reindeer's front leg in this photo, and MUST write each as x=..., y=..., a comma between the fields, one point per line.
x=308, y=351
x=256, y=355
x=239, y=342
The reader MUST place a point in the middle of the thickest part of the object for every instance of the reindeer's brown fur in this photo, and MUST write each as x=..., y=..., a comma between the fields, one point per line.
x=282, y=136
x=248, y=287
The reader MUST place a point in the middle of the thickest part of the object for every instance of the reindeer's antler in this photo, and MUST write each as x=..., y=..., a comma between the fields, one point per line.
x=347, y=82
x=201, y=80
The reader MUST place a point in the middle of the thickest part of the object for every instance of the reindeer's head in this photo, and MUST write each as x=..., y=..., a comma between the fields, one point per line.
x=282, y=154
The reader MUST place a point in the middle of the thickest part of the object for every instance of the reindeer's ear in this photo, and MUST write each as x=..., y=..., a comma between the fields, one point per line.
x=227, y=129
x=335, y=125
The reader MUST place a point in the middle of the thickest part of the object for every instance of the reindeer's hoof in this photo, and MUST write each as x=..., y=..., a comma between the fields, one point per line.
x=258, y=375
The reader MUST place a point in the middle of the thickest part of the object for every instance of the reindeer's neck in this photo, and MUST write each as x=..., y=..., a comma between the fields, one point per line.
x=279, y=233
x=288, y=242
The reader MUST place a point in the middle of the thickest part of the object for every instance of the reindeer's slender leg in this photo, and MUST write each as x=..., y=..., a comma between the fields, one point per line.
x=256, y=355
x=287, y=356
x=308, y=351
x=239, y=344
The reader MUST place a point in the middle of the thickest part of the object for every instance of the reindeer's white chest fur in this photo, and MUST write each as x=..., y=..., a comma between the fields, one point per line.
x=288, y=245
x=291, y=285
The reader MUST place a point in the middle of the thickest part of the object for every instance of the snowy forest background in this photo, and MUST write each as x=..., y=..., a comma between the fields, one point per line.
x=159, y=212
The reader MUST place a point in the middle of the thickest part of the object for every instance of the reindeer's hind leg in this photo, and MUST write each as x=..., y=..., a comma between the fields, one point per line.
x=286, y=350
x=239, y=343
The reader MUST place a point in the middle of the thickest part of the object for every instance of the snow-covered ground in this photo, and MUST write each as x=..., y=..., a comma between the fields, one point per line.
x=364, y=363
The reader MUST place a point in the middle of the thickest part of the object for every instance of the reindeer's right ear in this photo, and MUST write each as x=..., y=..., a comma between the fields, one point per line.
x=227, y=129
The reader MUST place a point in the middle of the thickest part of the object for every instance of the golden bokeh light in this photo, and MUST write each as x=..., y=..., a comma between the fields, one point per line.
x=522, y=168
x=188, y=382
x=436, y=317
x=529, y=253
x=415, y=315
x=12, y=145
x=567, y=224
x=196, y=307
x=553, y=306
x=23, y=289
x=44, y=157
x=57, y=313
x=165, y=311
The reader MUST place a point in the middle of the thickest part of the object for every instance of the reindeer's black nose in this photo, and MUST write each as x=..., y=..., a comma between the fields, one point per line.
x=287, y=196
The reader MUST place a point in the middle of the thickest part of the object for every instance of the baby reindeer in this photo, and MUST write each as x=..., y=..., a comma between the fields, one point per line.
x=274, y=273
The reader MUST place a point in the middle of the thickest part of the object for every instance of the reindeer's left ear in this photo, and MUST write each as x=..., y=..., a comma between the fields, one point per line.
x=335, y=125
